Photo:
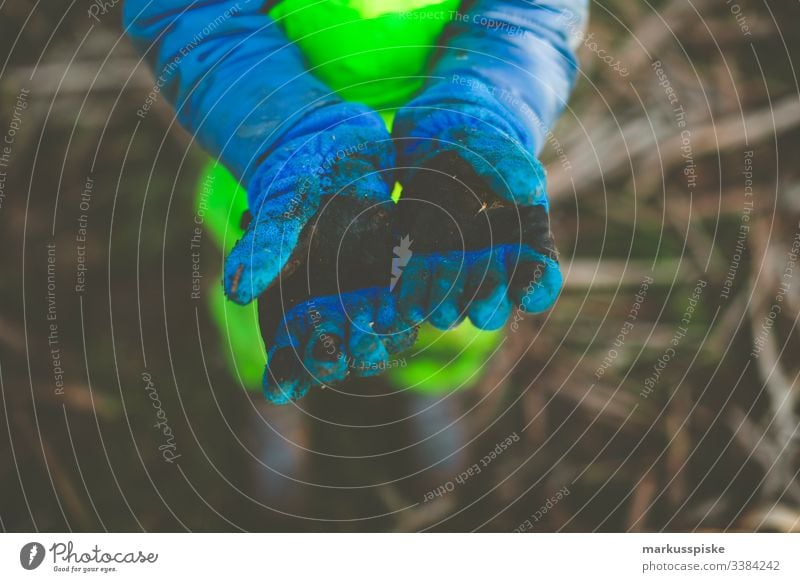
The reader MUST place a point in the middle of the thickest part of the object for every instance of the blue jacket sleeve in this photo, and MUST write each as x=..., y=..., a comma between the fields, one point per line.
x=513, y=57
x=235, y=80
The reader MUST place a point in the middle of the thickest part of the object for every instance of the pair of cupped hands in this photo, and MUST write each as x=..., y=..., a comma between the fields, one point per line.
x=344, y=276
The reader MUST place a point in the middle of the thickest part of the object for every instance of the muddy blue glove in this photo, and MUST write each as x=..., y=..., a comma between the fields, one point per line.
x=474, y=253
x=330, y=314
x=308, y=160
x=474, y=199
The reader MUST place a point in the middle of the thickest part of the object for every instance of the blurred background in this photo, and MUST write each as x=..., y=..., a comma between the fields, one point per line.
x=660, y=394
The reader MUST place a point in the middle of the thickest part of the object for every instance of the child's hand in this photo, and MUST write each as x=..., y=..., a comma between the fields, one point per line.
x=322, y=319
x=341, y=152
x=317, y=251
x=475, y=206
x=494, y=90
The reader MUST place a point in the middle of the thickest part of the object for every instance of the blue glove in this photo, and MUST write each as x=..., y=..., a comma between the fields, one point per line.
x=332, y=315
x=305, y=156
x=323, y=340
x=474, y=198
x=473, y=252
x=339, y=152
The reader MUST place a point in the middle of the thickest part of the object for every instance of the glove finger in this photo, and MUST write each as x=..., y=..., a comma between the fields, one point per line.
x=398, y=335
x=367, y=355
x=447, y=289
x=513, y=175
x=259, y=256
x=325, y=356
x=285, y=377
x=488, y=289
x=536, y=281
x=413, y=289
